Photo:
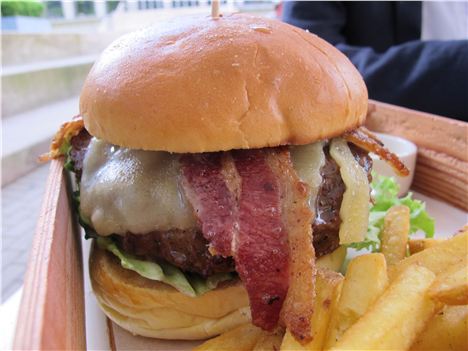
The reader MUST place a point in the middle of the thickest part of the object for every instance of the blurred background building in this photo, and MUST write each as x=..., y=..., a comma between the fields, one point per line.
x=47, y=50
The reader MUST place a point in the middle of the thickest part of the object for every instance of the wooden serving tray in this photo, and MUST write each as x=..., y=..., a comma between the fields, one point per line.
x=442, y=161
x=52, y=312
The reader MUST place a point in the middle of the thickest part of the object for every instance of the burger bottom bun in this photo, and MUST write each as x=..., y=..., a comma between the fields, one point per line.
x=153, y=309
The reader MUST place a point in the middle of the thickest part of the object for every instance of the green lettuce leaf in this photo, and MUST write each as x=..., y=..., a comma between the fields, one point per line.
x=188, y=284
x=64, y=150
x=385, y=195
x=84, y=222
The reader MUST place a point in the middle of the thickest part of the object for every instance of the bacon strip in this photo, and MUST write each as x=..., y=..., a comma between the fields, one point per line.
x=252, y=205
x=262, y=256
x=67, y=131
x=299, y=304
x=214, y=204
x=368, y=141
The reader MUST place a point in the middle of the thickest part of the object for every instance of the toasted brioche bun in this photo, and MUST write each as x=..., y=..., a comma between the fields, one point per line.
x=200, y=84
x=149, y=308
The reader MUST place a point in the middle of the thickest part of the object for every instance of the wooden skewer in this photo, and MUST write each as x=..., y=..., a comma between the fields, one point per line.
x=215, y=8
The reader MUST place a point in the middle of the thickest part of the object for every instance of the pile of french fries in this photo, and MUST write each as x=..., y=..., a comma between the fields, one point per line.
x=386, y=301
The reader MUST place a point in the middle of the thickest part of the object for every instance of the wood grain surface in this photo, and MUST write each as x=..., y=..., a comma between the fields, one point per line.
x=442, y=161
x=51, y=314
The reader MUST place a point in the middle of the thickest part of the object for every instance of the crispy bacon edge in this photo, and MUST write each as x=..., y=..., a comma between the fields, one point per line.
x=268, y=194
x=67, y=131
x=298, y=306
x=366, y=140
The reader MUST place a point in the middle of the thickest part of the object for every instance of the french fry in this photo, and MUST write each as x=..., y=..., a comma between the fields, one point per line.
x=242, y=338
x=437, y=258
x=333, y=260
x=291, y=344
x=328, y=284
x=366, y=279
x=451, y=286
x=395, y=234
x=269, y=341
x=446, y=331
x=417, y=245
x=394, y=321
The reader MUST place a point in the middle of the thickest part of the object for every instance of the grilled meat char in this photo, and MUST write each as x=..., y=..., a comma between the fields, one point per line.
x=79, y=146
x=188, y=249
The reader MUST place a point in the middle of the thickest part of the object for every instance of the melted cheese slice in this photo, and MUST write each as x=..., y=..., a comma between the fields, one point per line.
x=354, y=211
x=307, y=161
x=125, y=190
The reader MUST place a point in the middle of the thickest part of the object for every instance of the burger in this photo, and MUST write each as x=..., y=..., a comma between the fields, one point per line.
x=218, y=162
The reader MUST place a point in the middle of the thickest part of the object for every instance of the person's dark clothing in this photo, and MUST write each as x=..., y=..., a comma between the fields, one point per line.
x=382, y=39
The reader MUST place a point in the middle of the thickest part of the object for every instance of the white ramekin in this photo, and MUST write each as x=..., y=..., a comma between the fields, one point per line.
x=406, y=151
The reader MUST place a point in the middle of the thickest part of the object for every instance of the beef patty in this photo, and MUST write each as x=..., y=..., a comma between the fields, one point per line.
x=188, y=249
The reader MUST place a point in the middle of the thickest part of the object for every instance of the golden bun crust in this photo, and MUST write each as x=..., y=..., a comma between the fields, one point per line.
x=149, y=308
x=152, y=309
x=200, y=84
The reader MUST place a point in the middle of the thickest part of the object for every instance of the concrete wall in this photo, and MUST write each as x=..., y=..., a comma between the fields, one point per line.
x=85, y=24
x=18, y=49
x=132, y=20
x=28, y=90
x=25, y=24
x=40, y=68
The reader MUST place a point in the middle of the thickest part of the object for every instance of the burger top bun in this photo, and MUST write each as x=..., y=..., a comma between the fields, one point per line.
x=201, y=84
